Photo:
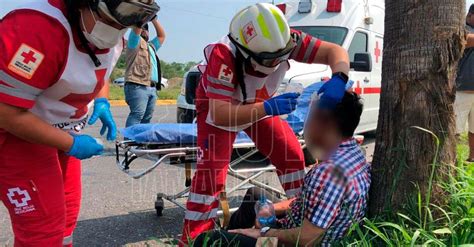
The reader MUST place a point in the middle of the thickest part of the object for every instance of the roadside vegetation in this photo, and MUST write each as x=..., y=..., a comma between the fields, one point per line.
x=174, y=72
x=423, y=223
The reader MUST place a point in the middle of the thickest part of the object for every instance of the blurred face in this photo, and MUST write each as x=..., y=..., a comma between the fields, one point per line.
x=321, y=134
x=470, y=19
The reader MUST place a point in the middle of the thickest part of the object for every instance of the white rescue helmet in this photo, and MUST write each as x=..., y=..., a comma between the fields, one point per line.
x=262, y=32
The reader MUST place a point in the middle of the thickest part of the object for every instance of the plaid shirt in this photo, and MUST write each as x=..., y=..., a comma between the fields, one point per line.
x=334, y=194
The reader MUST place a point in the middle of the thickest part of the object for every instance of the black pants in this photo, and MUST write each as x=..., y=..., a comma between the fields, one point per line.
x=243, y=218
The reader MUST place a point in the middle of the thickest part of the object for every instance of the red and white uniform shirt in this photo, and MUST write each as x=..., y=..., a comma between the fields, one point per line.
x=219, y=80
x=44, y=70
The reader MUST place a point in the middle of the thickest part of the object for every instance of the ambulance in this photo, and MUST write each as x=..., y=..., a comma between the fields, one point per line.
x=356, y=25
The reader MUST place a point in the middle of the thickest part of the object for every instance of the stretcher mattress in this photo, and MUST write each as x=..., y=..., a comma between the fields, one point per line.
x=169, y=133
x=174, y=133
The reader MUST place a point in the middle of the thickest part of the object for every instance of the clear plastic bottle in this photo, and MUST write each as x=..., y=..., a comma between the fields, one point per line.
x=265, y=212
x=293, y=88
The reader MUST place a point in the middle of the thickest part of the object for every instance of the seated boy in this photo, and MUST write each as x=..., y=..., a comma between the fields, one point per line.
x=334, y=194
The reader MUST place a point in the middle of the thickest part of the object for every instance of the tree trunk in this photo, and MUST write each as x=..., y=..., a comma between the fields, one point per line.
x=422, y=45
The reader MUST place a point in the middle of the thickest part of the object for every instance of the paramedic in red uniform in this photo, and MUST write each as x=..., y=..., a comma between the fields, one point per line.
x=55, y=58
x=240, y=77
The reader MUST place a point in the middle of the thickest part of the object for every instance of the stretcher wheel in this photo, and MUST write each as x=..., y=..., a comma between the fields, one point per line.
x=159, y=205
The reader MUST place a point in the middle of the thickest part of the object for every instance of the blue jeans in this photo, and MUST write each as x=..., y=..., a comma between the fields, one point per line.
x=141, y=100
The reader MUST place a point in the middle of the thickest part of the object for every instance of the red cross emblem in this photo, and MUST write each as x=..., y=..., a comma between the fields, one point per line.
x=226, y=73
x=18, y=197
x=249, y=32
x=26, y=61
x=377, y=52
x=28, y=57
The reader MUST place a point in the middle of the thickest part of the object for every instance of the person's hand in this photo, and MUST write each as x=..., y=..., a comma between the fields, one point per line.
x=250, y=232
x=102, y=112
x=84, y=147
x=281, y=104
x=332, y=92
x=257, y=224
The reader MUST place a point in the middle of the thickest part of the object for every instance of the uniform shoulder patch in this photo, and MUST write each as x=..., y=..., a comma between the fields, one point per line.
x=26, y=61
x=225, y=73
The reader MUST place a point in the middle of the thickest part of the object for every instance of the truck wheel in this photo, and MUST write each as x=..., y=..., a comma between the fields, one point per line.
x=185, y=115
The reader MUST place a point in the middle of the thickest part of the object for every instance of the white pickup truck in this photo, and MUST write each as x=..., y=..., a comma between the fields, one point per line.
x=356, y=25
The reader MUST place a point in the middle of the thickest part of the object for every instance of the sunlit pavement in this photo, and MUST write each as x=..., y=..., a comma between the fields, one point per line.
x=117, y=210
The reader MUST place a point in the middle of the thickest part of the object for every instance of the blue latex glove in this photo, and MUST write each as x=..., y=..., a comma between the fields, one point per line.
x=281, y=104
x=102, y=112
x=84, y=147
x=332, y=92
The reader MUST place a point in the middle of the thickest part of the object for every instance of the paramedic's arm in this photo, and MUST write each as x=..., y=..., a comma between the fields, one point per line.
x=27, y=126
x=160, y=32
x=225, y=113
x=104, y=92
x=470, y=41
x=333, y=55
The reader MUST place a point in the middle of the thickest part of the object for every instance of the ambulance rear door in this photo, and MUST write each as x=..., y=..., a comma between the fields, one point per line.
x=360, y=43
x=371, y=90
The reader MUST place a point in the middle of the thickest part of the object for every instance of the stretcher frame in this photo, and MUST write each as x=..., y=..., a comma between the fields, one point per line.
x=128, y=151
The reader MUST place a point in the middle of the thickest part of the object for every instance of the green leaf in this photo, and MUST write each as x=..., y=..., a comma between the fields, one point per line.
x=442, y=231
x=414, y=238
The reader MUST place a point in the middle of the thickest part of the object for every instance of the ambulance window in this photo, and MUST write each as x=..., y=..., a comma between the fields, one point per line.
x=358, y=45
x=334, y=35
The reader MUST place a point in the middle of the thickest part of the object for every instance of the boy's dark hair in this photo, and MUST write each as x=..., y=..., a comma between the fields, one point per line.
x=347, y=113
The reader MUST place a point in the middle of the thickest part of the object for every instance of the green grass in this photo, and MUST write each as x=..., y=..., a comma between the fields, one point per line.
x=117, y=93
x=169, y=93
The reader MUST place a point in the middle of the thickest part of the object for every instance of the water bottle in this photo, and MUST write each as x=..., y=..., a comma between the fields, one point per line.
x=265, y=212
x=293, y=88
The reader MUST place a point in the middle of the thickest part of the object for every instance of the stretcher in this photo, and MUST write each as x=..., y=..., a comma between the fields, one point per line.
x=164, y=144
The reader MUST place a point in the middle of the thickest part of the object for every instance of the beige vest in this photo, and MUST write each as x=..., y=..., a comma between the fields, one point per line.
x=138, y=64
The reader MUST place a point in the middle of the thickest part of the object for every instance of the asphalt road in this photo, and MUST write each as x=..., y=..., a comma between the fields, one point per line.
x=117, y=210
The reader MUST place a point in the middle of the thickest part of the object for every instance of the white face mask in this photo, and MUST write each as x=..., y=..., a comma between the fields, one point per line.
x=263, y=69
x=103, y=36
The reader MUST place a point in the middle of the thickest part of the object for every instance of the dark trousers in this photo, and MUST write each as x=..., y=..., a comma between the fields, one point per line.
x=243, y=218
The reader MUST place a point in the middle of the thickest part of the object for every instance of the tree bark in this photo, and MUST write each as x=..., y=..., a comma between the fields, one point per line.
x=422, y=45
